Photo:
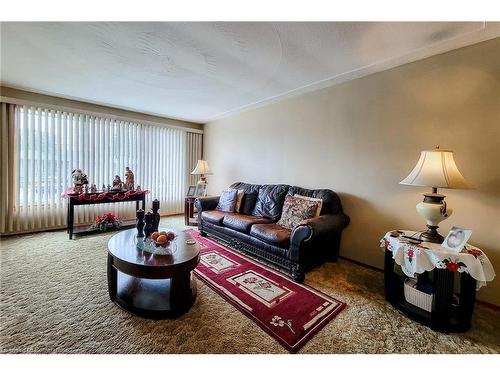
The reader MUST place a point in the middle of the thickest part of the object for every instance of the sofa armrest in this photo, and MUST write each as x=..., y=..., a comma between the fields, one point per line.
x=316, y=231
x=206, y=203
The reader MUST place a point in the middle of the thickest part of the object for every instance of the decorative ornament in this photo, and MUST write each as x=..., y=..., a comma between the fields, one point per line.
x=129, y=179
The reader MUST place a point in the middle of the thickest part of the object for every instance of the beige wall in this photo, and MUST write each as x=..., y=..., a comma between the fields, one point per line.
x=362, y=137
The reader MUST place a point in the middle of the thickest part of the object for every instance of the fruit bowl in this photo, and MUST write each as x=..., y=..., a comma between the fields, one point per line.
x=163, y=239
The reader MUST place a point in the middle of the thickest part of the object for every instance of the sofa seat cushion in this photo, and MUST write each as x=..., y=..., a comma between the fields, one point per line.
x=272, y=233
x=242, y=223
x=213, y=216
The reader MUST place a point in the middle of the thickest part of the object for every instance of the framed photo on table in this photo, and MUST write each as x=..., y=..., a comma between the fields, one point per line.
x=191, y=191
x=456, y=239
x=201, y=190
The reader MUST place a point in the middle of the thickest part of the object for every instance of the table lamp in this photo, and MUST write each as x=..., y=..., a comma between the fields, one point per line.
x=436, y=169
x=201, y=169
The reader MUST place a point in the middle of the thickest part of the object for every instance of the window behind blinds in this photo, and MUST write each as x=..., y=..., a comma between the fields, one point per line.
x=50, y=144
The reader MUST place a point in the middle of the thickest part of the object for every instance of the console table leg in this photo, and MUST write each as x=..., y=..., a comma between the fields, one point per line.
x=71, y=219
x=67, y=217
x=443, y=285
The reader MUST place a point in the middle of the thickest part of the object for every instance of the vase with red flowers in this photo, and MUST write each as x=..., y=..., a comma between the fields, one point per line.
x=106, y=221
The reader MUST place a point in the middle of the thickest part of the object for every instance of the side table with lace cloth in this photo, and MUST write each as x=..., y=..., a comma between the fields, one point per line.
x=437, y=266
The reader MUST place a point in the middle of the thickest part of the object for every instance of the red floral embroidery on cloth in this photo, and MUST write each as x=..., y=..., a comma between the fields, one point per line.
x=387, y=244
x=475, y=252
x=105, y=195
x=453, y=266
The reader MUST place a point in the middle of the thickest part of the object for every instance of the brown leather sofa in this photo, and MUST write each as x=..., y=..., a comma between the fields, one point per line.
x=255, y=232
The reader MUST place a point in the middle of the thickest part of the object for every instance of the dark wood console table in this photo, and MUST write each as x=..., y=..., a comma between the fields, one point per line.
x=93, y=198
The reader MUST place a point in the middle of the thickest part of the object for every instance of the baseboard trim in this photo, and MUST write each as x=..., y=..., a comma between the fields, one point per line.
x=373, y=268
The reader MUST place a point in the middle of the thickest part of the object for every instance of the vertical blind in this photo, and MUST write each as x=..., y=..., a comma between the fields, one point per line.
x=194, y=153
x=50, y=144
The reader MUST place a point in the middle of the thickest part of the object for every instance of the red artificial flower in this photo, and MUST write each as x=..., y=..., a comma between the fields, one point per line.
x=452, y=266
x=410, y=253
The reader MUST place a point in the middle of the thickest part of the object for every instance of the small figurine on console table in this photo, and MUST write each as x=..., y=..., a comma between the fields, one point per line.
x=79, y=179
x=117, y=183
x=129, y=179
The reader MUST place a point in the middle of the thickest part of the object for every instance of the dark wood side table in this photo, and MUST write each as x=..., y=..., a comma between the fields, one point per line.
x=189, y=218
x=445, y=317
x=149, y=285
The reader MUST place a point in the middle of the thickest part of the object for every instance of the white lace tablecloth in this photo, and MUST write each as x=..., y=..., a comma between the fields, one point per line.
x=418, y=258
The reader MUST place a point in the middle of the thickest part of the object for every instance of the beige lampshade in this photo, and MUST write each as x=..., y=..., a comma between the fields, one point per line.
x=201, y=168
x=436, y=168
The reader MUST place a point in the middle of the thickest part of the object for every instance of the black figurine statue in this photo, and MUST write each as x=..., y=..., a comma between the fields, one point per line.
x=140, y=223
x=149, y=228
x=156, y=215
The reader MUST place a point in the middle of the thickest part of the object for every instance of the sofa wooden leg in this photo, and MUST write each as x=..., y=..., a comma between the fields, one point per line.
x=297, y=273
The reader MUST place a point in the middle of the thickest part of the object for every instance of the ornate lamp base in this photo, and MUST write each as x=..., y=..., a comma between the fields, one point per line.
x=434, y=210
x=432, y=235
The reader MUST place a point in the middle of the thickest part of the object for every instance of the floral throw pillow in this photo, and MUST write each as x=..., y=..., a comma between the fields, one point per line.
x=296, y=209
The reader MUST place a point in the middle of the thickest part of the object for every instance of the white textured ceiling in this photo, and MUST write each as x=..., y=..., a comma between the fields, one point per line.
x=201, y=71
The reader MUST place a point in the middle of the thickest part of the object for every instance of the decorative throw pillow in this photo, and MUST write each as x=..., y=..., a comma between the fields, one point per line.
x=319, y=200
x=296, y=209
x=239, y=199
x=227, y=200
x=248, y=203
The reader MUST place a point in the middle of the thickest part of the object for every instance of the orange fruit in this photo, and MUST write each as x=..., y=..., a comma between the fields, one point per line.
x=155, y=235
x=162, y=239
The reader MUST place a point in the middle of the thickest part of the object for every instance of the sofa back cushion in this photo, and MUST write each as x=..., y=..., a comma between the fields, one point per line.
x=251, y=191
x=331, y=201
x=248, y=202
x=270, y=201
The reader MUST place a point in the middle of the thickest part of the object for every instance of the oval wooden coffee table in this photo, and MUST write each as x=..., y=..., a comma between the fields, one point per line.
x=151, y=286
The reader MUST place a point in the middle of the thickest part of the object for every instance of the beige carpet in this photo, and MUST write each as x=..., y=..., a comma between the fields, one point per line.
x=54, y=299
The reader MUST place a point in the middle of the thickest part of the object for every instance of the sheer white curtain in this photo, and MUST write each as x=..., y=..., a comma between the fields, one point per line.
x=50, y=144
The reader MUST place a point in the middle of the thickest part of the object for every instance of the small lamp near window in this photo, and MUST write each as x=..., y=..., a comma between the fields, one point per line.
x=436, y=169
x=202, y=169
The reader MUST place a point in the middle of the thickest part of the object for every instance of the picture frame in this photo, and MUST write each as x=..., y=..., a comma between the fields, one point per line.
x=191, y=191
x=201, y=190
x=456, y=239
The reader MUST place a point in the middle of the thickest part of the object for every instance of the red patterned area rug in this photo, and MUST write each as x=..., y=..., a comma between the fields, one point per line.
x=290, y=312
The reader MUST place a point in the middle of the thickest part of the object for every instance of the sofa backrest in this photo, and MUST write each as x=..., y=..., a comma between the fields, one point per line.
x=271, y=198
x=248, y=188
x=270, y=201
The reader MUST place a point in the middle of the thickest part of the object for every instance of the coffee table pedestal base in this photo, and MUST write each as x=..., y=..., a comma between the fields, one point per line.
x=153, y=298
